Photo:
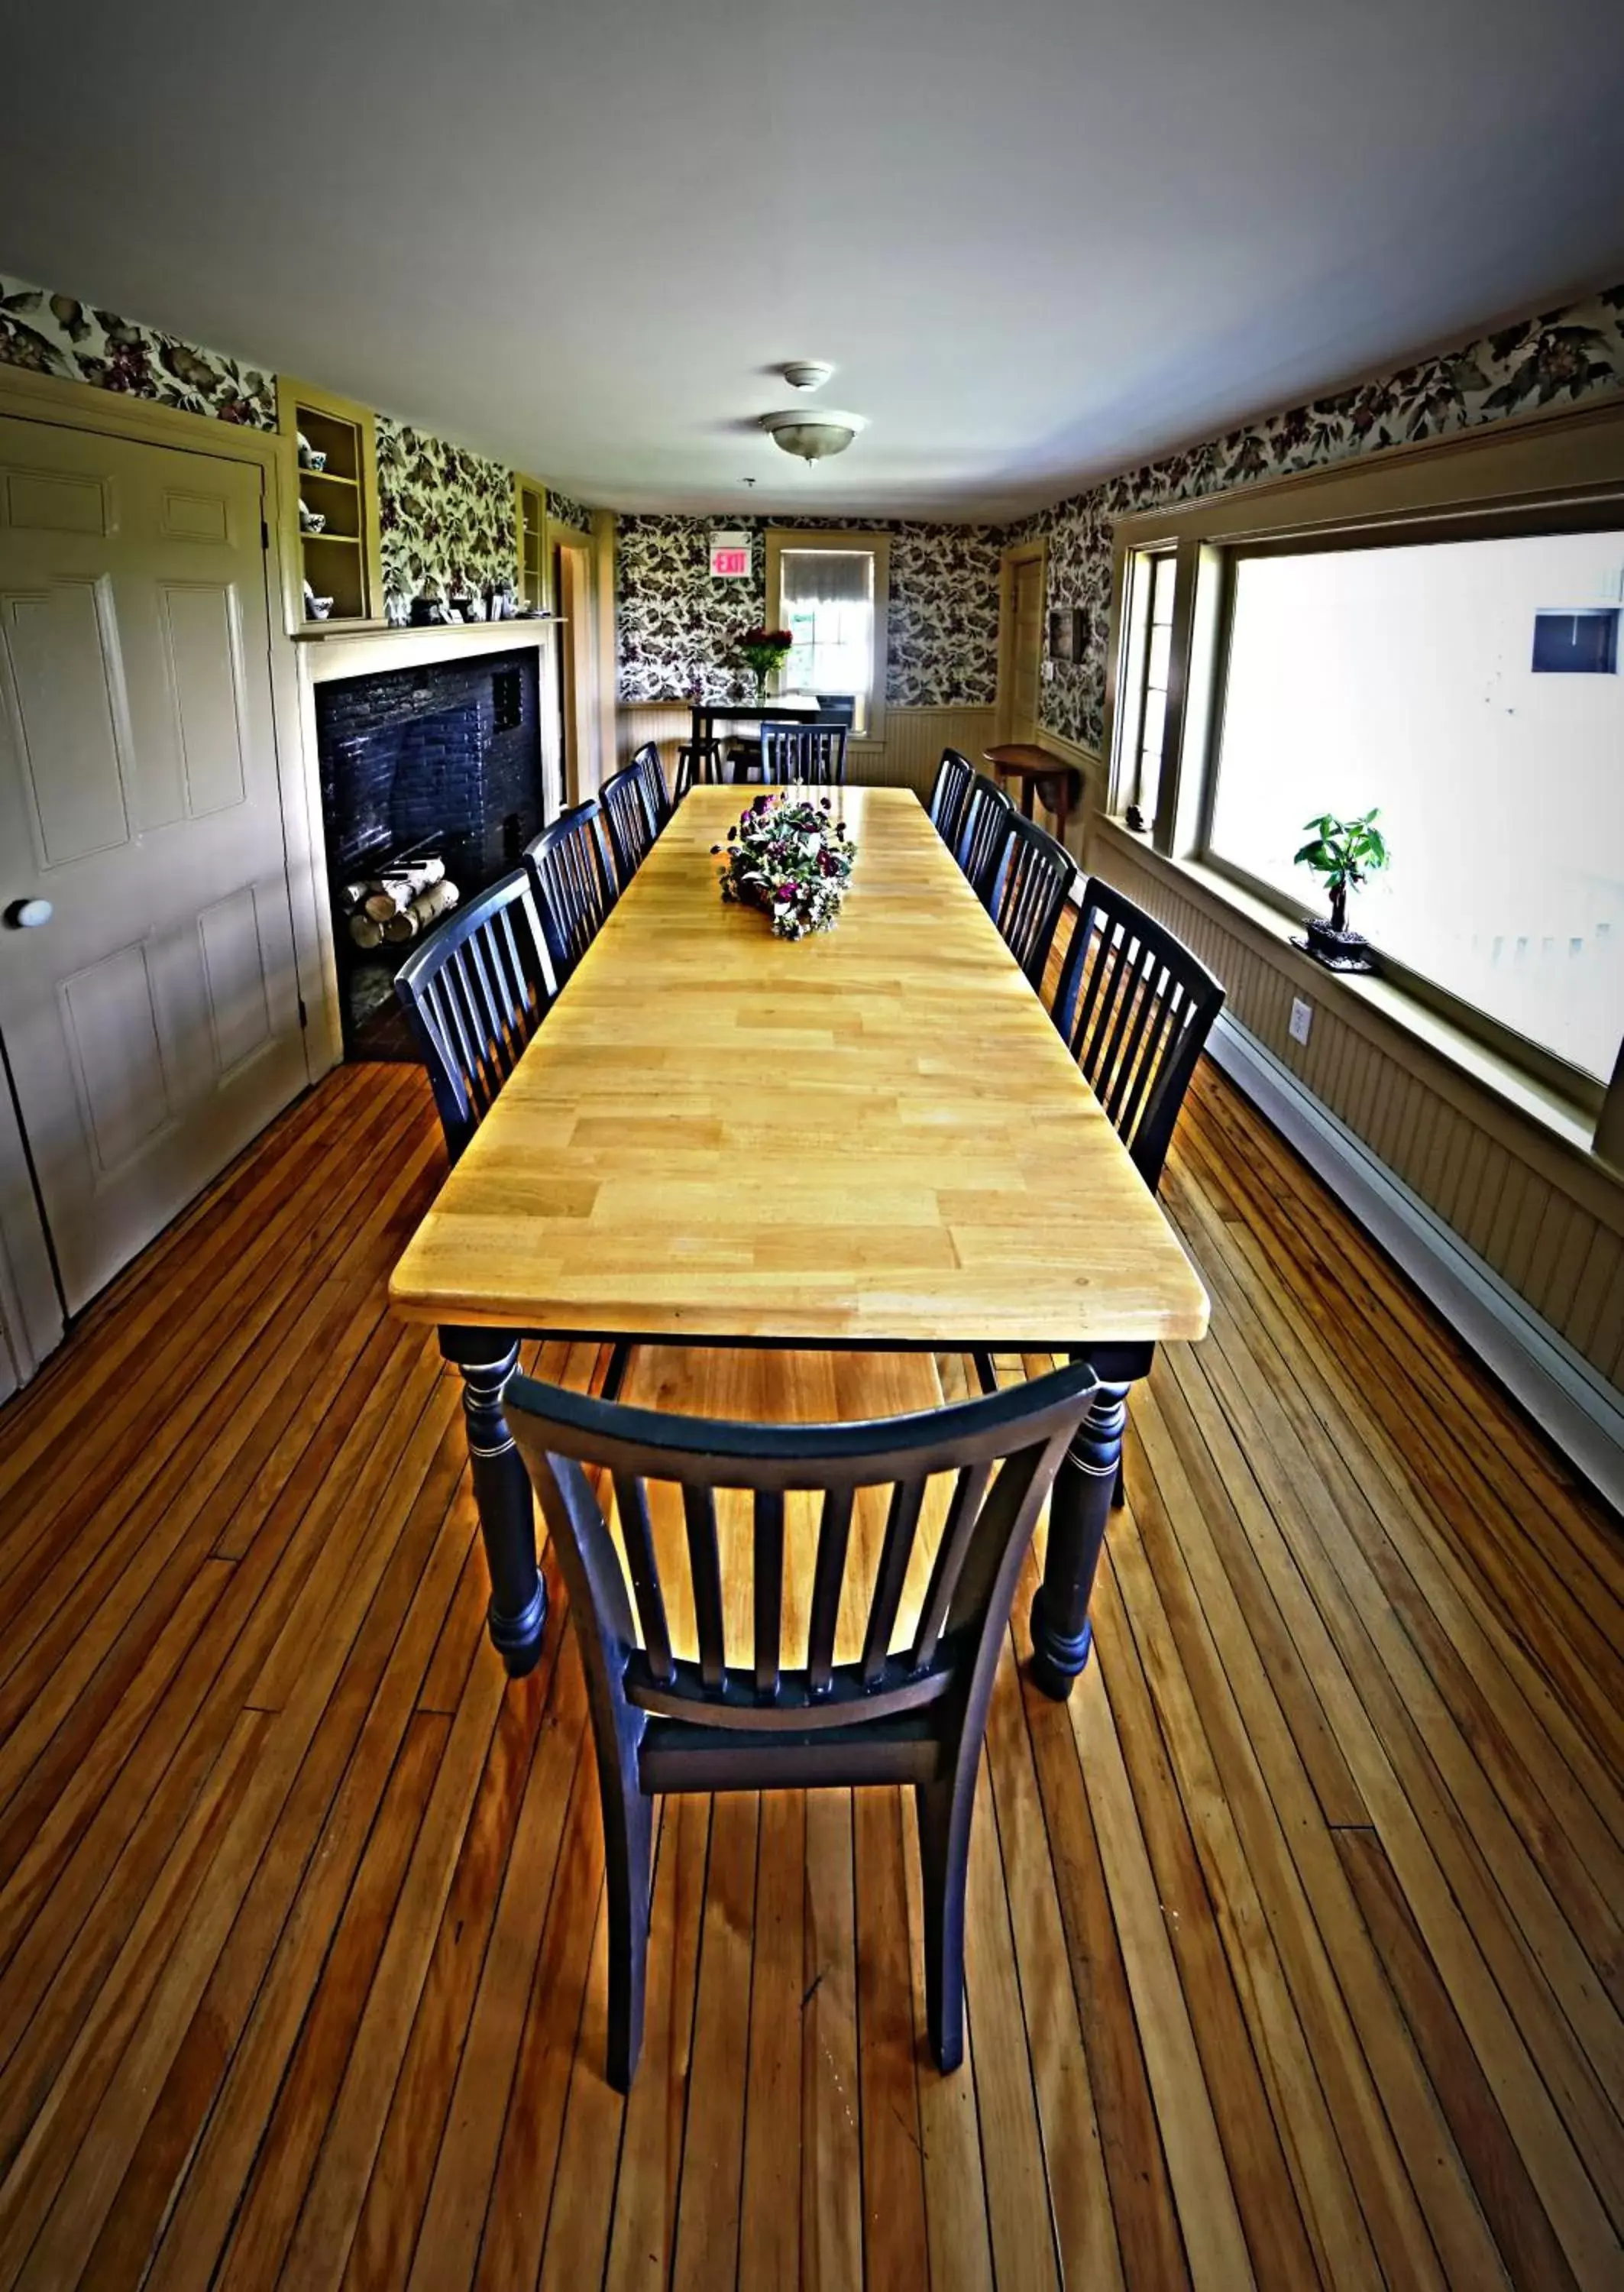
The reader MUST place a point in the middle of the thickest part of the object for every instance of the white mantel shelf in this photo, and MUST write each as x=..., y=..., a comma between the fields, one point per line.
x=330, y=654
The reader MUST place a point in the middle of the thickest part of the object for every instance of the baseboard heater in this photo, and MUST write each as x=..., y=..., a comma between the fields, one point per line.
x=1577, y=1409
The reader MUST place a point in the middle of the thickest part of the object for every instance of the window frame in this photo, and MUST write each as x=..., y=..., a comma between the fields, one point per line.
x=854, y=542
x=1536, y=473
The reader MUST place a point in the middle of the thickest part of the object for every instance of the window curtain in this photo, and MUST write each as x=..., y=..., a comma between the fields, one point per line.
x=827, y=604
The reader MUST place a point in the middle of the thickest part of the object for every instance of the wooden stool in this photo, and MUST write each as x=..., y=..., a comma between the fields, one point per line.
x=699, y=762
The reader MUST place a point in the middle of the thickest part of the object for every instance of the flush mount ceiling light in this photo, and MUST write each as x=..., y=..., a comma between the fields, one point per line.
x=806, y=374
x=813, y=436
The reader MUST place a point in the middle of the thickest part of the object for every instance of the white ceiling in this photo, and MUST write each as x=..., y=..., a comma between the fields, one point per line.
x=1040, y=240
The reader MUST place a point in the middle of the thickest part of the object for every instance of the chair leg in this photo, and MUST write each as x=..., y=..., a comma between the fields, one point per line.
x=628, y=1832
x=943, y=1848
x=1119, y=1493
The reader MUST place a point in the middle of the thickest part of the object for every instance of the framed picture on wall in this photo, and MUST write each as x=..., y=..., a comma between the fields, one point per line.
x=1068, y=632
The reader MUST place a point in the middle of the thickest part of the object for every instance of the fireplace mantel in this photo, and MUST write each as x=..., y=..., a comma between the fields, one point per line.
x=330, y=654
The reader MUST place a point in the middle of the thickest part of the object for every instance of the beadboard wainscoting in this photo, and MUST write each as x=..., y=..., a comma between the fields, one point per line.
x=908, y=757
x=1545, y=1218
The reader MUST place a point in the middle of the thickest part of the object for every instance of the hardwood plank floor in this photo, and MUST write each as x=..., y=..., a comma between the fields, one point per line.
x=1294, y=1954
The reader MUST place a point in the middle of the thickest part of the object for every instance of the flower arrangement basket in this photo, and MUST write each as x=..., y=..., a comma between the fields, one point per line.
x=792, y=859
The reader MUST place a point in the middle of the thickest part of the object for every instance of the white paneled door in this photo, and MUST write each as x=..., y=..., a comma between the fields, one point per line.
x=151, y=1019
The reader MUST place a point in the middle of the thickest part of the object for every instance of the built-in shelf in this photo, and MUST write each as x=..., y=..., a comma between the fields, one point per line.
x=346, y=566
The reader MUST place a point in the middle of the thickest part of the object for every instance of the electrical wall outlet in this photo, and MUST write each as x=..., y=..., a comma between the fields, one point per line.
x=1301, y=1020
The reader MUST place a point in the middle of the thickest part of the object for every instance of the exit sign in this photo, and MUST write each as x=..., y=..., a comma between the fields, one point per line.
x=730, y=557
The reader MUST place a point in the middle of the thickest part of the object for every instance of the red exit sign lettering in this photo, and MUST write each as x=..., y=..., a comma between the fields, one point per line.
x=730, y=557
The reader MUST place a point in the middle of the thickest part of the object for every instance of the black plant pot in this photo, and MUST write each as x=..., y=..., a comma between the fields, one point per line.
x=1343, y=950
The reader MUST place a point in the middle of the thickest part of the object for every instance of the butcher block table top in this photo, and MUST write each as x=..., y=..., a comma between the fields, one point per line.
x=873, y=1136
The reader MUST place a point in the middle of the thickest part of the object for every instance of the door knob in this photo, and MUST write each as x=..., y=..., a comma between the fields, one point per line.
x=28, y=915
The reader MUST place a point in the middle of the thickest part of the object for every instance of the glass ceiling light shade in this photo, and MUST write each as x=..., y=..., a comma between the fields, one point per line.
x=813, y=436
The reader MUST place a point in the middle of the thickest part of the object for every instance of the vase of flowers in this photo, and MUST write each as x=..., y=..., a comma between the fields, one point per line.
x=790, y=858
x=764, y=652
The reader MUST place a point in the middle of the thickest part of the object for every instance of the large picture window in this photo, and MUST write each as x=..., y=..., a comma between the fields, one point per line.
x=830, y=591
x=1416, y=679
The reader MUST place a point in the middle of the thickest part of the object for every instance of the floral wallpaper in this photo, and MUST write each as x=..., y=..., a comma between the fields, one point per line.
x=446, y=512
x=564, y=509
x=52, y=333
x=678, y=628
x=1548, y=360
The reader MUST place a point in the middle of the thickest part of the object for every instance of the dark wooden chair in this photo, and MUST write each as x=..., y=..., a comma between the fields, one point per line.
x=574, y=883
x=475, y=993
x=1135, y=1008
x=1029, y=894
x=814, y=754
x=955, y=776
x=983, y=833
x=664, y=1722
x=624, y=800
x=652, y=772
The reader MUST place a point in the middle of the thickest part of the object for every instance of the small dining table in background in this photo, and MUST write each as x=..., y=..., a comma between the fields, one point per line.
x=804, y=707
x=870, y=1140
x=1056, y=783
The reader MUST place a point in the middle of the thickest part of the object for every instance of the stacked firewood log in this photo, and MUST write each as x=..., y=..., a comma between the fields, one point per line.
x=399, y=904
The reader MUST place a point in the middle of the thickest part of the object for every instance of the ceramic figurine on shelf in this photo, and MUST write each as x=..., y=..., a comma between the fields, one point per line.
x=310, y=520
x=311, y=457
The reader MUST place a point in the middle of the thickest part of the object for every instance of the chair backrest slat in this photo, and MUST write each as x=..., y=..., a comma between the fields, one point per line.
x=637, y=1533
x=475, y=992
x=982, y=837
x=704, y=1566
x=444, y=996
x=1152, y=1009
x=813, y=753
x=1135, y=1008
x=955, y=776
x=574, y=883
x=624, y=799
x=907, y=1496
x=1033, y=885
x=647, y=763
x=962, y=1515
x=767, y=1564
x=828, y=1576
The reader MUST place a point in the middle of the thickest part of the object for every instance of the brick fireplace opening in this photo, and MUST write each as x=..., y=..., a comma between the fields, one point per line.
x=430, y=787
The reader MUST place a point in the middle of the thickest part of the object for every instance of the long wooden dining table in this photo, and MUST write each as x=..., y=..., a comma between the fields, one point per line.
x=873, y=1138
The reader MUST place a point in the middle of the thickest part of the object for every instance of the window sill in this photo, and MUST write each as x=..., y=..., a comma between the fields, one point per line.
x=1376, y=1002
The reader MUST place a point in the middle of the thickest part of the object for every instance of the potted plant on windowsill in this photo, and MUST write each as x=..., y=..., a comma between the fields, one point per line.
x=1343, y=852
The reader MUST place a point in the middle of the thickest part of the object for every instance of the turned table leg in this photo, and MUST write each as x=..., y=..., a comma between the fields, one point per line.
x=487, y=1359
x=1084, y=1491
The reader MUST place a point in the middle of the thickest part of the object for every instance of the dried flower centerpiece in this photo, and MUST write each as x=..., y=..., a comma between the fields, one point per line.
x=792, y=859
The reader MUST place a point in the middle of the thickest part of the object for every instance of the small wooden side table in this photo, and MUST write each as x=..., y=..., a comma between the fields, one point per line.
x=1059, y=783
